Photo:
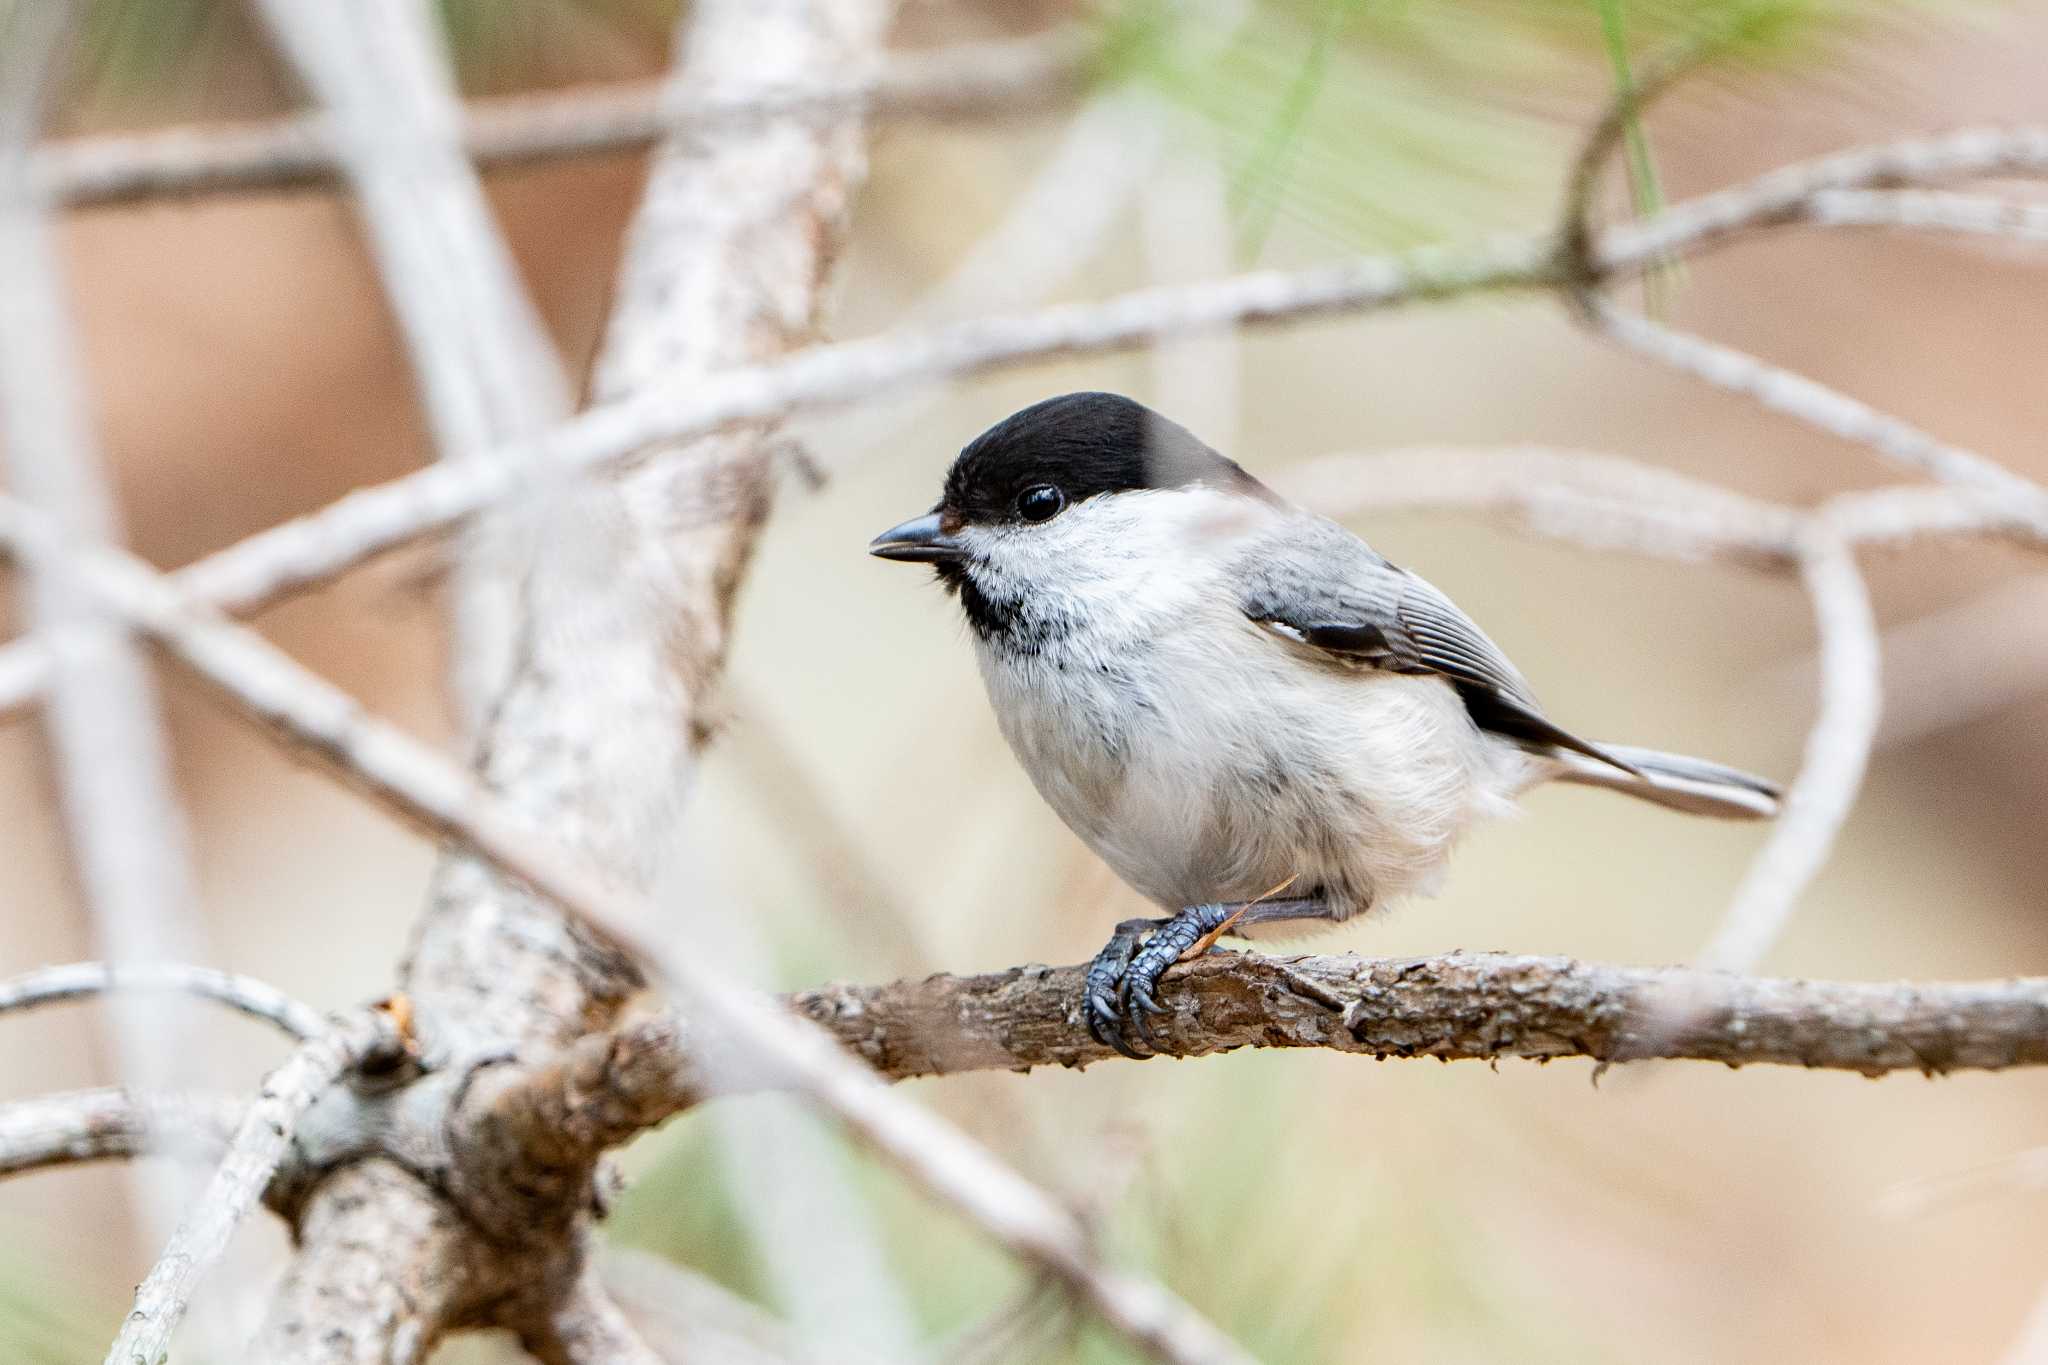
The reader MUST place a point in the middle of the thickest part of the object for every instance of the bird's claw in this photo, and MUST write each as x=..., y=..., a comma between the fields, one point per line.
x=1121, y=990
x=1102, y=999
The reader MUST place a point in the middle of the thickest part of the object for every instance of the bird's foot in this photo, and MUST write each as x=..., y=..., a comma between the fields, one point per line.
x=1119, y=989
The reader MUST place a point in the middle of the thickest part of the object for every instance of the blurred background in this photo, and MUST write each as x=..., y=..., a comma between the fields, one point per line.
x=861, y=819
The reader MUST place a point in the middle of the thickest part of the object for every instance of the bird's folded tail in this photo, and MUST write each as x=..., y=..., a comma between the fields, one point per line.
x=1692, y=785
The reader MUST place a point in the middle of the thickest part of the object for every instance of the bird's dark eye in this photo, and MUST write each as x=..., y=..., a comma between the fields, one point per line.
x=1040, y=502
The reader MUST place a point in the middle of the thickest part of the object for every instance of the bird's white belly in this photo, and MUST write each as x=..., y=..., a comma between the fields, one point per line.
x=1200, y=786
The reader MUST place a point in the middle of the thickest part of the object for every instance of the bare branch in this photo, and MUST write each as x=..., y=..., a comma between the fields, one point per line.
x=584, y=1326
x=125, y=829
x=487, y=368
x=258, y=1146
x=1457, y=1006
x=1837, y=752
x=1602, y=502
x=1930, y=211
x=617, y=592
x=1476, y=1006
x=244, y=994
x=113, y=1123
x=380, y=1254
x=1816, y=405
x=965, y=81
x=1785, y=195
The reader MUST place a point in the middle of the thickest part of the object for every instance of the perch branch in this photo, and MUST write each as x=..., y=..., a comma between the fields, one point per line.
x=1455, y=1006
x=258, y=1146
x=243, y=994
x=111, y=1123
x=968, y=80
x=1478, y=1006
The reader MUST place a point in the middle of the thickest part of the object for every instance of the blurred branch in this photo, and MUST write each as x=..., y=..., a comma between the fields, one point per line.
x=1786, y=196
x=1838, y=749
x=964, y=81
x=1598, y=501
x=123, y=823
x=295, y=555
x=1816, y=405
x=690, y=1317
x=112, y=1123
x=487, y=369
x=585, y=1326
x=258, y=1146
x=82, y=980
x=2020, y=220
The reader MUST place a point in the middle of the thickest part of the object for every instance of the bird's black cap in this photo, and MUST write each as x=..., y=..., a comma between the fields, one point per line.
x=1084, y=444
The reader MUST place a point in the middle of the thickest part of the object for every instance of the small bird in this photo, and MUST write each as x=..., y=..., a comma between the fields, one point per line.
x=1228, y=697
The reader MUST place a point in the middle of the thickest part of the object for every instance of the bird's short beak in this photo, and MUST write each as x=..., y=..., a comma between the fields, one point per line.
x=920, y=540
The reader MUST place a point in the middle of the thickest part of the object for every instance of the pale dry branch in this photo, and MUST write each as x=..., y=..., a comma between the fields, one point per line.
x=380, y=1254
x=1838, y=750
x=1981, y=215
x=1816, y=405
x=487, y=368
x=123, y=824
x=84, y=980
x=964, y=81
x=585, y=1326
x=113, y=1123
x=301, y=553
x=617, y=592
x=259, y=1144
x=1598, y=501
x=1784, y=196
x=2030, y=1346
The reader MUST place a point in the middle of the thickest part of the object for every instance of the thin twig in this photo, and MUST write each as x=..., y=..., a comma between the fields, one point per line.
x=1814, y=404
x=123, y=823
x=1782, y=196
x=1930, y=211
x=259, y=1145
x=113, y=1123
x=82, y=980
x=1598, y=501
x=1837, y=752
x=968, y=80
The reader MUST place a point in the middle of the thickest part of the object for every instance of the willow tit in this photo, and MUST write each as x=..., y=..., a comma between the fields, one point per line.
x=1245, y=711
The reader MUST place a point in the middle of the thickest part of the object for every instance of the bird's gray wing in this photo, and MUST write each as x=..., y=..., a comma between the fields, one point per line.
x=1324, y=588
